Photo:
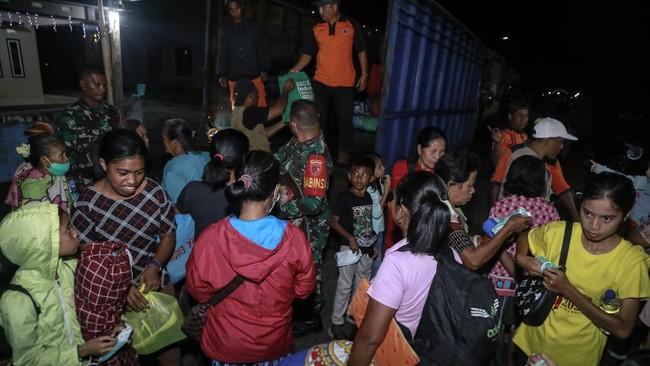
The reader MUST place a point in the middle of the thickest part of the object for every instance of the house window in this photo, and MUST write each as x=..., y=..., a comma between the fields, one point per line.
x=184, y=61
x=154, y=61
x=15, y=58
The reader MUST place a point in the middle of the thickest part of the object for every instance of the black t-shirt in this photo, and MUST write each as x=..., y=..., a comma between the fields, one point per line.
x=205, y=207
x=254, y=116
x=355, y=215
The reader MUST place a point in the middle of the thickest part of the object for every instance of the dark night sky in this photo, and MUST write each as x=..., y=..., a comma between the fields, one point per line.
x=535, y=31
x=596, y=44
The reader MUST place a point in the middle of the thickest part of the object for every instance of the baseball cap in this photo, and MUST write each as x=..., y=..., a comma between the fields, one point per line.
x=548, y=127
x=325, y=2
x=243, y=87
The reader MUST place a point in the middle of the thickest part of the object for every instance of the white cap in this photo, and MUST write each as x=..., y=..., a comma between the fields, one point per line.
x=347, y=257
x=548, y=127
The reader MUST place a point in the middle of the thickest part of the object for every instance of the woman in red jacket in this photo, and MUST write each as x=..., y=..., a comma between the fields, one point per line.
x=431, y=147
x=253, y=324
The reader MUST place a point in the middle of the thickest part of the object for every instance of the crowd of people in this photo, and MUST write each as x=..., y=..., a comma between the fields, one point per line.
x=92, y=234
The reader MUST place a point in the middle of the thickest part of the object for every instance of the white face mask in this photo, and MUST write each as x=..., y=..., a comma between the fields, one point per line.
x=277, y=198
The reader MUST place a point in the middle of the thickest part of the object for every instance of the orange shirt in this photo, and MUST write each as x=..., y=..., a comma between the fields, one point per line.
x=558, y=183
x=511, y=137
x=333, y=45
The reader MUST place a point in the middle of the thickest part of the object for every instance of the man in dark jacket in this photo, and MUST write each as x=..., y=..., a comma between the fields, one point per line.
x=243, y=52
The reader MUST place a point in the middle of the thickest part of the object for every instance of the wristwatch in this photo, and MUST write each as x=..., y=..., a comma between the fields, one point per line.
x=154, y=263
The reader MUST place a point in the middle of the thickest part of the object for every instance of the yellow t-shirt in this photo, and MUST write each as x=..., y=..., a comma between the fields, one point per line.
x=567, y=336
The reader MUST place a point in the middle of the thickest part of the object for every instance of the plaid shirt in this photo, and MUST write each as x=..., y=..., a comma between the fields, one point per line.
x=543, y=212
x=136, y=221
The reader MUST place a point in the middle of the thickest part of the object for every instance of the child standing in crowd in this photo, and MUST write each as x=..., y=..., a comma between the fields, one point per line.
x=379, y=189
x=37, y=311
x=42, y=177
x=352, y=220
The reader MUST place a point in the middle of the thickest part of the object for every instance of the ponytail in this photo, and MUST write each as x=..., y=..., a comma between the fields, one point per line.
x=226, y=149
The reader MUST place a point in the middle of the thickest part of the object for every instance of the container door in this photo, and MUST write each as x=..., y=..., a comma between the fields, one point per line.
x=432, y=75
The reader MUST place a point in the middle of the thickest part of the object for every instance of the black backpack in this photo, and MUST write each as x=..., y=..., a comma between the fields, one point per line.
x=460, y=322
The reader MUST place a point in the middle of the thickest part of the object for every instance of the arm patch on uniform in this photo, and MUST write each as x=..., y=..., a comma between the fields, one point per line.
x=315, y=180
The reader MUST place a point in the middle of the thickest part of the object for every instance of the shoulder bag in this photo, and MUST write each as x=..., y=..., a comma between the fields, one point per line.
x=195, y=320
x=532, y=300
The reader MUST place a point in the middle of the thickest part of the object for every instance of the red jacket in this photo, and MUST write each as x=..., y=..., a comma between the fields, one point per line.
x=253, y=324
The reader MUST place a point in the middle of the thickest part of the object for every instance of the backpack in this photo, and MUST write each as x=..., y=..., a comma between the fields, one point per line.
x=460, y=322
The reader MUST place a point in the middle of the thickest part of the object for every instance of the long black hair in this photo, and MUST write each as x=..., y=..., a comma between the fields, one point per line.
x=422, y=194
x=257, y=175
x=226, y=149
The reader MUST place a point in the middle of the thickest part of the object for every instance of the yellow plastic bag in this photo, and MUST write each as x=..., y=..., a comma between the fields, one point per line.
x=157, y=327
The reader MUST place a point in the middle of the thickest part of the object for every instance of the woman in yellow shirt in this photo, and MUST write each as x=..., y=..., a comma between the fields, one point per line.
x=598, y=260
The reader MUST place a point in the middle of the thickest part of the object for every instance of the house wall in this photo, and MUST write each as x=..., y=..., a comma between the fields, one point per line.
x=30, y=84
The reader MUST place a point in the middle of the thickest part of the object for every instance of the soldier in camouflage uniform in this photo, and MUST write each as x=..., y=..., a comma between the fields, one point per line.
x=305, y=169
x=81, y=123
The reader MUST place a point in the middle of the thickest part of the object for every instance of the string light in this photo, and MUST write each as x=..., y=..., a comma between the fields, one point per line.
x=32, y=21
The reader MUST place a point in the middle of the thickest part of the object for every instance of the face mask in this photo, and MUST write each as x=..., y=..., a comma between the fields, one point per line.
x=277, y=198
x=58, y=169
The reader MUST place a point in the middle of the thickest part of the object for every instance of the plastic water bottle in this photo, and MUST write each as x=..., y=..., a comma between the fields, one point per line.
x=610, y=304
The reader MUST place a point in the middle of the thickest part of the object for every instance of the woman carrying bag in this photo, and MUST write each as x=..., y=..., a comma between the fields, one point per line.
x=598, y=260
x=253, y=324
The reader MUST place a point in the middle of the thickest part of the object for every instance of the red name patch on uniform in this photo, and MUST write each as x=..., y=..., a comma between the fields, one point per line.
x=315, y=181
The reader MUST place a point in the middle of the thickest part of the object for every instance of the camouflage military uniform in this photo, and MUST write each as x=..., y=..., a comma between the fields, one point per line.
x=79, y=127
x=305, y=169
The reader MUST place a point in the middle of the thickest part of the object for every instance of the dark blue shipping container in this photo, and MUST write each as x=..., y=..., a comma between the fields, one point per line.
x=432, y=76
